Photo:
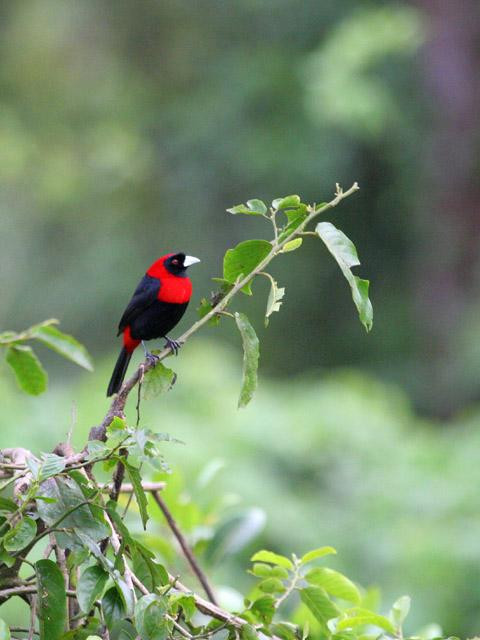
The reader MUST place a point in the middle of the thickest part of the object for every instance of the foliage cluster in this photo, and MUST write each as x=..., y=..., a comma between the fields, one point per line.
x=104, y=583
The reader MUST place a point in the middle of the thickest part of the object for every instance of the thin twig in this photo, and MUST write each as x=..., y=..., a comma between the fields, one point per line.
x=33, y=615
x=184, y=546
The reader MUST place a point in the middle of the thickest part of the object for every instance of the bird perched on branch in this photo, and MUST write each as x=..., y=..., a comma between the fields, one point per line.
x=157, y=305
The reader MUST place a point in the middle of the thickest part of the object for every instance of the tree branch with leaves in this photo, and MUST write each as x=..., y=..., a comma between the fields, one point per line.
x=115, y=586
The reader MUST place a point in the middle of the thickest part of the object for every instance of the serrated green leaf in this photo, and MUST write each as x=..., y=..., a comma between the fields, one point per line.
x=345, y=253
x=21, y=535
x=292, y=245
x=4, y=630
x=157, y=381
x=90, y=586
x=140, y=496
x=51, y=600
x=243, y=259
x=150, y=618
x=64, y=344
x=318, y=602
x=272, y=558
x=251, y=354
x=274, y=298
x=30, y=374
x=359, y=617
x=317, y=553
x=334, y=583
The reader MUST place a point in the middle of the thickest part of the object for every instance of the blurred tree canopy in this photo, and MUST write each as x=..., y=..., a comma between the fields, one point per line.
x=112, y=111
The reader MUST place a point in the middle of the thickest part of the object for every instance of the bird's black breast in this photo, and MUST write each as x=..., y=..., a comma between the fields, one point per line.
x=156, y=320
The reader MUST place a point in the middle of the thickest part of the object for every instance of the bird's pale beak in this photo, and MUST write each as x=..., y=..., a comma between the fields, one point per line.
x=189, y=260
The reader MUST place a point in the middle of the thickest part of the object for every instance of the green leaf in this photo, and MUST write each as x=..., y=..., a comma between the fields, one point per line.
x=253, y=208
x=274, y=298
x=317, y=601
x=4, y=630
x=204, y=308
x=112, y=606
x=243, y=259
x=30, y=374
x=51, y=600
x=400, y=609
x=345, y=253
x=140, y=496
x=90, y=586
x=359, y=617
x=288, y=202
x=158, y=381
x=123, y=630
x=148, y=571
x=21, y=535
x=262, y=570
x=186, y=603
x=272, y=558
x=67, y=346
x=271, y=585
x=67, y=495
x=51, y=466
x=292, y=245
x=257, y=206
x=150, y=619
x=335, y=583
x=247, y=632
x=264, y=608
x=7, y=506
x=317, y=553
x=251, y=354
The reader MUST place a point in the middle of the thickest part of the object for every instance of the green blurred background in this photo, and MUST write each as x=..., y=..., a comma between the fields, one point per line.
x=127, y=129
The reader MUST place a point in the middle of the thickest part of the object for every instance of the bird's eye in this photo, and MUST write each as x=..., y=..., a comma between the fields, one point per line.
x=175, y=261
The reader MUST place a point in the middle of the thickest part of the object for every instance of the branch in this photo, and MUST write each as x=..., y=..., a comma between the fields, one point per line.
x=185, y=548
x=118, y=403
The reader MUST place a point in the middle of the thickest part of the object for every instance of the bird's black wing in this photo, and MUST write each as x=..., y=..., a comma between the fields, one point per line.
x=144, y=296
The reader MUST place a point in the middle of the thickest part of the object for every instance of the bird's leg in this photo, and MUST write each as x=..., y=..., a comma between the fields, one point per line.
x=174, y=345
x=151, y=357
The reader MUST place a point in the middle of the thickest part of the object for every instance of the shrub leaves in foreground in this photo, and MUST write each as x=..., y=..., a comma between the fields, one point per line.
x=52, y=600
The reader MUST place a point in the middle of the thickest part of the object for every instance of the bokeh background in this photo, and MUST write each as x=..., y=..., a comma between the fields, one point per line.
x=126, y=130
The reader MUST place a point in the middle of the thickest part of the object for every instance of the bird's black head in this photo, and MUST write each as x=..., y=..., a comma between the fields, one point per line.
x=177, y=263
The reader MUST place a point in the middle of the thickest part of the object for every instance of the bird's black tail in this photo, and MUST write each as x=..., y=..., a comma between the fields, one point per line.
x=119, y=372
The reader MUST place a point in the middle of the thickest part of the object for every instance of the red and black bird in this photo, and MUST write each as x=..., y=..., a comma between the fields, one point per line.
x=156, y=307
